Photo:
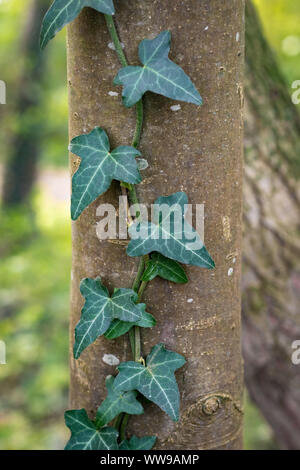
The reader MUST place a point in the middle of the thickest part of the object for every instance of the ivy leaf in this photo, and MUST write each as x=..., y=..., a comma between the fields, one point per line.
x=86, y=436
x=116, y=403
x=164, y=267
x=155, y=380
x=62, y=12
x=93, y=439
x=170, y=234
x=100, y=309
x=158, y=74
x=98, y=167
x=138, y=443
x=118, y=327
x=78, y=420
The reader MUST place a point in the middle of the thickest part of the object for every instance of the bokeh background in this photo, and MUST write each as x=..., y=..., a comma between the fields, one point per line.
x=35, y=245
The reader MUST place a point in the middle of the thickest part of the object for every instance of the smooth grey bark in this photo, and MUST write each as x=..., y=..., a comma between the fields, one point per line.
x=199, y=150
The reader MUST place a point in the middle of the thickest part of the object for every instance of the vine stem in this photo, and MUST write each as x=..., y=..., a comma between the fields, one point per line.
x=135, y=143
x=139, y=123
x=123, y=426
x=115, y=38
x=138, y=285
x=123, y=61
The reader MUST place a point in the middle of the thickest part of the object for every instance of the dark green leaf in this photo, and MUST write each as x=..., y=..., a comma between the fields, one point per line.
x=62, y=12
x=156, y=381
x=104, y=439
x=158, y=74
x=85, y=435
x=100, y=310
x=98, y=167
x=138, y=443
x=164, y=267
x=170, y=234
x=119, y=327
x=78, y=420
x=116, y=403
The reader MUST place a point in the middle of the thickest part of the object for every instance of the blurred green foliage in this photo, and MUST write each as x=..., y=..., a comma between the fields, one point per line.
x=281, y=21
x=34, y=304
x=51, y=116
x=257, y=434
x=35, y=249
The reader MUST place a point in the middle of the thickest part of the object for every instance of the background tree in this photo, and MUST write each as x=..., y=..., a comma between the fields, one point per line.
x=197, y=150
x=271, y=275
x=25, y=139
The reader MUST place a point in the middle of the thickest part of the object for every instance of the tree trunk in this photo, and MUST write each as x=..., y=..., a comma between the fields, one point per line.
x=271, y=277
x=24, y=144
x=198, y=150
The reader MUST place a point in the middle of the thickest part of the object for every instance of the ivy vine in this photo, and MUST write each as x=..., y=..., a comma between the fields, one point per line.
x=160, y=251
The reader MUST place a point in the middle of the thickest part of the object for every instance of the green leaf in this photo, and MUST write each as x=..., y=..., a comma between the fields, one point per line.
x=151, y=271
x=116, y=403
x=78, y=420
x=62, y=12
x=164, y=267
x=156, y=381
x=85, y=435
x=138, y=443
x=98, y=167
x=169, y=234
x=104, y=439
x=100, y=309
x=158, y=74
x=118, y=327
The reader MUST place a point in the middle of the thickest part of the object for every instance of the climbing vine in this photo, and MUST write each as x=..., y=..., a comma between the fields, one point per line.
x=160, y=249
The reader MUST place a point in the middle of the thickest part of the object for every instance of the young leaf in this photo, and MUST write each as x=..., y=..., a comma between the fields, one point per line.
x=62, y=12
x=156, y=380
x=151, y=271
x=170, y=234
x=85, y=435
x=164, y=267
x=138, y=443
x=98, y=167
x=118, y=327
x=158, y=74
x=100, y=309
x=116, y=403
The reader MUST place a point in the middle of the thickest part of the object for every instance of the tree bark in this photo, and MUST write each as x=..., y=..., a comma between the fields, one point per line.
x=271, y=276
x=198, y=150
x=24, y=144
